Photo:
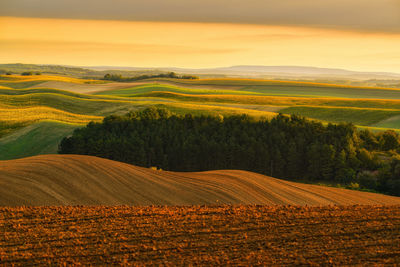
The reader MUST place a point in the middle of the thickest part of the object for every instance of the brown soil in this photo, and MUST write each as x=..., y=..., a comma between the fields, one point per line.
x=200, y=235
x=87, y=180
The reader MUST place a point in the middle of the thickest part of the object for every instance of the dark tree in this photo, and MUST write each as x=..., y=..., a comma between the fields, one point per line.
x=284, y=147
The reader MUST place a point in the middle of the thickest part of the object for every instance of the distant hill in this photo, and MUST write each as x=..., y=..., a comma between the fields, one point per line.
x=301, y=70
x=274, y=71
x=243, y=71
x=73, y=71
x=86, y=180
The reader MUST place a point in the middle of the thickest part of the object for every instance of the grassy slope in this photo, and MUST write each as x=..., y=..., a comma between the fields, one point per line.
x=292, y=88
x=78, y=105
x=274, y=100
x=270, y=88
x=13, y=79
x=358, y=116
x=33, y=121
x=146, y=88
x=35, y=139
x=20, y=106
x=35, y=114
x=392, y=122
x=363, y=112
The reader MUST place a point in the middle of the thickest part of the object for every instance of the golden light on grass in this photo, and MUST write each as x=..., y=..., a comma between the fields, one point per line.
x=149, y=44
x=29, y=78
x=34, y=114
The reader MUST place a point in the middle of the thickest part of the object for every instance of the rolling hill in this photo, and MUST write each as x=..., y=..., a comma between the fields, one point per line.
x=288, y=72
x=29, y=100
x=86, y=180
x=38, y=138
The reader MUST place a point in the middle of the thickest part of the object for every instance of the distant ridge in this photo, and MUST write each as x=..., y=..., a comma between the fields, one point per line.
x=252, y=70
x=87, y=180
x=290, y=72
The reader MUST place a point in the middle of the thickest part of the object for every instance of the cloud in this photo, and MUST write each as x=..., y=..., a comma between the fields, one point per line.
x=132, y=48
x=359, y=15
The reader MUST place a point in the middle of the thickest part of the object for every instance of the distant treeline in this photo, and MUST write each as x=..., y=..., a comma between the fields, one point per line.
x=25, y=73
x=292, y=148
x=120, y=78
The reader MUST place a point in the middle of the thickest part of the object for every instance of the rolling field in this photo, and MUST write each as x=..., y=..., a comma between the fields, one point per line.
x=86, y=180
x=38, y=138
x=84, y=88
x=220, y=217
x=363, y=106
x=201, y=235
x=33, y=114
x=291, y=88
x=20, y=82
x=359, y=116
x=148, y=88
x=28, y=100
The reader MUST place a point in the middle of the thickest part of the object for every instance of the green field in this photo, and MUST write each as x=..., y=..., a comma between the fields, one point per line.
x=38, y=138
x=33, y=118
x=358, y=116
x=155, y=87
x=298, y=89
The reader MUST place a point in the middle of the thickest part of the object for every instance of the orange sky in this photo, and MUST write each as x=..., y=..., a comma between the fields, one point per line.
x=193, y=45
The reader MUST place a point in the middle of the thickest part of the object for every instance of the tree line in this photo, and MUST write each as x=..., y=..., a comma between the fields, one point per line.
x=288, y=147
x=120, y=78
x=25, y=73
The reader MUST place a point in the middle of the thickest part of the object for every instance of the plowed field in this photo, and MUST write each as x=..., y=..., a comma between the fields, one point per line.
x=54, y=180
x=205, y=235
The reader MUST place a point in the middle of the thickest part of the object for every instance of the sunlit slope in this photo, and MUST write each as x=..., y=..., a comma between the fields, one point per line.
x=86, y=180
x=38, y=138
x=362, y=112
x=224, y=86
x=358, y=116
x=288, y=88
x=66, y=101
x=284, y=101
x=151, y=87
x=86, y=88
x=27, y=100
x=20, y=81
x=23, y=107
x=33, y=114
x=392, y=122
x=257, y=87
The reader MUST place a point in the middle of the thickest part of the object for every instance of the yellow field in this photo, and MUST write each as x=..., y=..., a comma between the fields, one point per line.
x=29, y=99
x=196, y=108
x=244, y=81
x=34, y=114
x=29, y=78
x=279, y=100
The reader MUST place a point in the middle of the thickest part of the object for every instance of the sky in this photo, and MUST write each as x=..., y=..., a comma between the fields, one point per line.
x=359, y=35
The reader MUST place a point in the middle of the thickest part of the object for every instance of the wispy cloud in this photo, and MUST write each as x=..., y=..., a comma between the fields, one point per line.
x=128, y=48
x=359, y=15
x=154, y=44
